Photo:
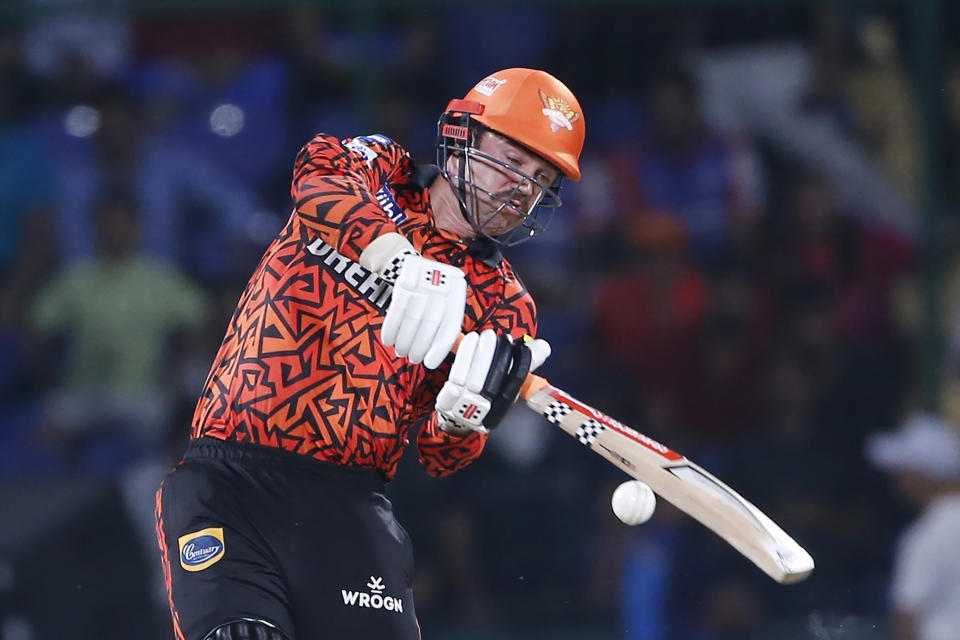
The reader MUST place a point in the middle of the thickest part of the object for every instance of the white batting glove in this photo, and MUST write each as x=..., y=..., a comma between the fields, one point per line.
x=484, y=380
x=426, y=309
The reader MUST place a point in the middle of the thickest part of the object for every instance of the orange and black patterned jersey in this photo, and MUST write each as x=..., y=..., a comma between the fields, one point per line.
x=302, y=366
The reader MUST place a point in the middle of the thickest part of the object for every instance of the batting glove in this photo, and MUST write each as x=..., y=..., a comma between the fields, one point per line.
x=426, y=309
x=485, y=380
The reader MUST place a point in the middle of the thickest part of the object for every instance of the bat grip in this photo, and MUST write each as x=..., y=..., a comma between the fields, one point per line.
x=531, y=384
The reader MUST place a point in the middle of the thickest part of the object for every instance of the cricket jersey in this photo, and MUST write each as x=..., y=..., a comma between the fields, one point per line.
x=301, y=367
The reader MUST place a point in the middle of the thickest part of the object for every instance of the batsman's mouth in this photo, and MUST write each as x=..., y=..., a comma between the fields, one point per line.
x=518, y=208
x=500, y=222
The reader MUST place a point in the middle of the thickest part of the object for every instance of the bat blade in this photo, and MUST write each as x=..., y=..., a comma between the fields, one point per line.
x=677, y=480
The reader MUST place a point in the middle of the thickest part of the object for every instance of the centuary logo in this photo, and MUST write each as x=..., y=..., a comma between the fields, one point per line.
x=374, y=599
x=200, y=549
x=389, y=204
x=558, y=112
x=365, y=282
x=488, y=85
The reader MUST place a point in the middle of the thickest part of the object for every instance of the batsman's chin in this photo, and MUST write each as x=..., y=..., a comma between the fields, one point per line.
x=503, y=224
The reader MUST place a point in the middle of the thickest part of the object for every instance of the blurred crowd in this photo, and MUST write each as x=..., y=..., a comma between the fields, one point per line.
x=741, y=273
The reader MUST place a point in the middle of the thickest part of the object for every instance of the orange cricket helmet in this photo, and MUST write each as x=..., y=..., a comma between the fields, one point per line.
x=536, y=110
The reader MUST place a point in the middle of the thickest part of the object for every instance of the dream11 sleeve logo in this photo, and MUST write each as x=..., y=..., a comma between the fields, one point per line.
x=200, y=549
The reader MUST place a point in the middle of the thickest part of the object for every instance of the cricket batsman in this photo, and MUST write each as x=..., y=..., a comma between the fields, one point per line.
x=275, y=525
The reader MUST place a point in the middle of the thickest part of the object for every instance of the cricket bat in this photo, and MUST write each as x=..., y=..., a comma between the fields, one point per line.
x=676, y=479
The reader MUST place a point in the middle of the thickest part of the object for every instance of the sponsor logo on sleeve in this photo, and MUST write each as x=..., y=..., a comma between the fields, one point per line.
x=200, y=549
x=379, y=138
x=359, y=147
x=389, y=205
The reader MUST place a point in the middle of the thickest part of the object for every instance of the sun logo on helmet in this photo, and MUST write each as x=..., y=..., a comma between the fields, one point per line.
x=560, y=114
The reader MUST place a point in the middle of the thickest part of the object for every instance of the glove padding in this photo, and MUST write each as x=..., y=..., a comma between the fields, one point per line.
x=485, y=380
x=426, y=310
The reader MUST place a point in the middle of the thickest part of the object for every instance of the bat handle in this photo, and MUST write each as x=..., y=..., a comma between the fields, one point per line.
x=531, y=384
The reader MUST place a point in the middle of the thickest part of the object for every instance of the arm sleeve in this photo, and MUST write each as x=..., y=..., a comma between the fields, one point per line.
x=335, y=184
x=442, y=453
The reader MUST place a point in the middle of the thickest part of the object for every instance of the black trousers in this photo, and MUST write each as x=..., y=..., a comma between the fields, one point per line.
x=248, y=531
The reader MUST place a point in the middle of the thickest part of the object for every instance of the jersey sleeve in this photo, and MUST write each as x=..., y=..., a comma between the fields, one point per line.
x=334, y=188
x=442, y=453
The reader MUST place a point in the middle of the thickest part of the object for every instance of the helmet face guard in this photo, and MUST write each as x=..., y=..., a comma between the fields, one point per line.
x=457, y=133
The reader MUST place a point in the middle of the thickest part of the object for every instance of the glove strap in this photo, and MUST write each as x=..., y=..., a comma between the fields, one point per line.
x=391, y=271
x=511, y=363
x=385, y=255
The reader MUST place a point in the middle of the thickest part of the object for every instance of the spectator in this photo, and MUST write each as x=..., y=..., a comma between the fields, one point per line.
x=523, y=33
x=27, y=256
x=684, y=169
x=647, y=316
x=717, y=395
x=882, y=105
x=855, y=262
x=100, y=41
x=320, y=58
x=226, y=92
x=116, y=315
x=795, y=98
x=24, y=171
x=923, y=456
x=168, y=182
x=22, y=449
x=74, y=51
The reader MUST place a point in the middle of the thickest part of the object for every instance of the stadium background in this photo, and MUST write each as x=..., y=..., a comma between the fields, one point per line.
x=758, y=268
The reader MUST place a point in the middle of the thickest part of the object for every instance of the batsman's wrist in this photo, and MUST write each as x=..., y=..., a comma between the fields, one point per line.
x=449, y=426
x=385, y=255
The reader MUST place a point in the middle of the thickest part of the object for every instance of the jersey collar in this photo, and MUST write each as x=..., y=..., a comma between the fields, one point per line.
x=483, y=249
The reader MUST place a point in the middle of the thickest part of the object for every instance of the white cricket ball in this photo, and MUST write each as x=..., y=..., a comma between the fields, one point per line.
x=633, y=502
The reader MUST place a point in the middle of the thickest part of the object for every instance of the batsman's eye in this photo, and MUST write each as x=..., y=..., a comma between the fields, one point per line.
x=515, y=161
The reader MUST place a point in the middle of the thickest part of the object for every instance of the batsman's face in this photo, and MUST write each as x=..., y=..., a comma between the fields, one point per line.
x=503, y=196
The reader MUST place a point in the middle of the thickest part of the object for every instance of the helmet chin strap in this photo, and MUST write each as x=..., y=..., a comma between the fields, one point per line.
x=462, y=190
